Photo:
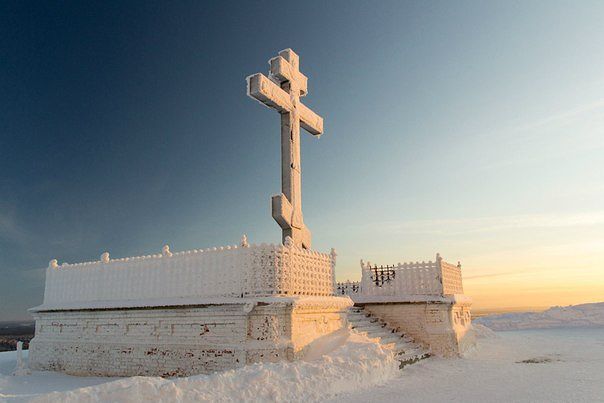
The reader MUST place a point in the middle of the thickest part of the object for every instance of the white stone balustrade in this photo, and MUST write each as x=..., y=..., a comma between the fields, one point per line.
x=451, y=277
x=433, y=278
x=232, y=272
x=425, y=300
x=348, y=288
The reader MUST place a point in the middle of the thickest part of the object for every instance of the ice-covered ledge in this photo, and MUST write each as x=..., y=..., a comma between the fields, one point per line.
x=388, y=299
x=195, y=276
x=337, y=302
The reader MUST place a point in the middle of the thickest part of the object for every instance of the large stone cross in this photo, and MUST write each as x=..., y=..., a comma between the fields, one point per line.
x=282, y=90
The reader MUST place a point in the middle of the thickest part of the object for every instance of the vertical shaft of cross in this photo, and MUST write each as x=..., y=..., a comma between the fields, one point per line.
x=291, y=174
x=282, y=91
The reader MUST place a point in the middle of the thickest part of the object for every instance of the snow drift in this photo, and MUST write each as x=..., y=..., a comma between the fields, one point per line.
x=586, y=315
x=355, y=362
x=479, y=331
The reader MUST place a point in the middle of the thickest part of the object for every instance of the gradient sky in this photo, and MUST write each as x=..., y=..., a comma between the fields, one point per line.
x=473, y=129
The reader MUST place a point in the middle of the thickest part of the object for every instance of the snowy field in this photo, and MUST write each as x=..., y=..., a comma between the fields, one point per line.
x=560, y=364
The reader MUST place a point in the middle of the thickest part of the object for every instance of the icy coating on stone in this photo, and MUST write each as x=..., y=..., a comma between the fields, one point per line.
x=232, y=272
x=281, y=91
x=405, y=280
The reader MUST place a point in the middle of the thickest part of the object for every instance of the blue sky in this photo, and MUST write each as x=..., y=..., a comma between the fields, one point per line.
x=473, y=129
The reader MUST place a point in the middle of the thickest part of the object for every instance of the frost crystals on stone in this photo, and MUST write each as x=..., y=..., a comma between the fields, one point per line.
x=105, y=257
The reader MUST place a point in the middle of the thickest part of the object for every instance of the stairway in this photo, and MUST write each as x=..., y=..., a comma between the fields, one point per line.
x=406, y=350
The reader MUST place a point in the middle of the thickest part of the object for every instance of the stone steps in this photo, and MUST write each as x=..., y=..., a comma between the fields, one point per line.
x=407, y=351
x=367, y=325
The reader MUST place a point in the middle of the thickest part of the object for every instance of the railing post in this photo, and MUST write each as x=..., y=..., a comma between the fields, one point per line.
x=440, y=274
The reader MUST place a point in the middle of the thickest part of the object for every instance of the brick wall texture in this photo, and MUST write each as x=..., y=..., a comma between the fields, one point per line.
x=177, y=341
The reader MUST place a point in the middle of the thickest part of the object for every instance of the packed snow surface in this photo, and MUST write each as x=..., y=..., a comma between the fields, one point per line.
x=542, y=365
x=539, y=365
x=586, y=315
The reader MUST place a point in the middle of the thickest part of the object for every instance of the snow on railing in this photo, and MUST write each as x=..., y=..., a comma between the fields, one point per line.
x=435, y=278
x=231, y=271
x=348, y=288
x=451, y=275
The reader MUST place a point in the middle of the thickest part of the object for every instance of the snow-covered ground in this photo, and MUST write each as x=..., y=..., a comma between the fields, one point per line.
x=547, y=365
x=553, y=365
x=333, y=365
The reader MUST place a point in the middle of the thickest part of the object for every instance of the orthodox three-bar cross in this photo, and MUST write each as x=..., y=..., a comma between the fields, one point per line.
x=282, y=90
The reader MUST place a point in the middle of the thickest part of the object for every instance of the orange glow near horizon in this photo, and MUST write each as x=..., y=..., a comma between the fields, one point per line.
x=572, y=276
x=508, y=262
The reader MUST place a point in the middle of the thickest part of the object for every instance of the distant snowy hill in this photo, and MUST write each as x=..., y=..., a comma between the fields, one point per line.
x=586, y=315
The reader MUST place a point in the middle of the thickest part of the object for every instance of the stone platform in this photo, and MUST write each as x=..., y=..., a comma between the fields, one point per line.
x=182, y=340
x=424, y=300
x=185, y=313
x=439, y=324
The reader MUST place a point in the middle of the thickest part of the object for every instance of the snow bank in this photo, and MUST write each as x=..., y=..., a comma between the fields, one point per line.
x=586, y=315
x=356, y=363
x=482, y=332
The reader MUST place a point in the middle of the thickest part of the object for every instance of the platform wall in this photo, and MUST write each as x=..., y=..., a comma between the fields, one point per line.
x=442, y=327
x=180, y=341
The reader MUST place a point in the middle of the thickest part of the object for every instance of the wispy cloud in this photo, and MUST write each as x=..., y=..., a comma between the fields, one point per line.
x=562, y=118
x=575, y=130
x=10, y=230
x=456, y=226
x=504, y=274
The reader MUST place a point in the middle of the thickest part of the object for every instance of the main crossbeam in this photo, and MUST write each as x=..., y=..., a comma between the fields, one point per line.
x=266, y=91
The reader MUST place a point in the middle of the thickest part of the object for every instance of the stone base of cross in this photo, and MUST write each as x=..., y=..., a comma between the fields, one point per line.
x=292, y=224
x=282, y=90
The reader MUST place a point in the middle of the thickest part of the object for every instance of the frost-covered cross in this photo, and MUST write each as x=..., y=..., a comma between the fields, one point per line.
x=282, y=90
